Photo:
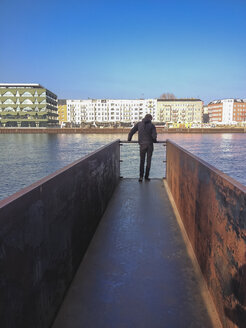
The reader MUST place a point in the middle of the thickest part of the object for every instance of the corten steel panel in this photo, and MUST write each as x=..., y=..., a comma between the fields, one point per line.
x=213, y=209
x=45, y=230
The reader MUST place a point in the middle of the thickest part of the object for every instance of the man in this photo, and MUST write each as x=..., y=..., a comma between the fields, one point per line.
x=146, y=136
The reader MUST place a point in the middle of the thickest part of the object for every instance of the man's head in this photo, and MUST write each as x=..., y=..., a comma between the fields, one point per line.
x=148, y=117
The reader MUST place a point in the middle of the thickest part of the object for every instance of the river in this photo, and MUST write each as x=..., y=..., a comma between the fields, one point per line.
x=26, y=158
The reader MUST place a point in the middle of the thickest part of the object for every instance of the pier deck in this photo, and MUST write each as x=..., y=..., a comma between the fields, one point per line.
x=137, y=271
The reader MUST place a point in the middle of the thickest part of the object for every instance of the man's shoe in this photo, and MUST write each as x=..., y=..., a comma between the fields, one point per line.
x=140, y=179
x=147, y=178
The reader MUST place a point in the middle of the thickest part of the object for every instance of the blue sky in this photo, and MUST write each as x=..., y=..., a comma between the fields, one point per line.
x=126, y=49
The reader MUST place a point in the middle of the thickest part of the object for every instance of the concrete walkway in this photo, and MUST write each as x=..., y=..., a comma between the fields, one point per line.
x=136, y=272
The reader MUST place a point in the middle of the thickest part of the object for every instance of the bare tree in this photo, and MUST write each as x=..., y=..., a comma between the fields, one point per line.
x=167, y=95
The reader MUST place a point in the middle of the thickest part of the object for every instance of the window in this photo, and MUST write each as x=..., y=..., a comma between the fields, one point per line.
x=26, y=94
x=9, y=109
x=8, y=94
x=27, y=109
x=8, y=101
x=27, y=101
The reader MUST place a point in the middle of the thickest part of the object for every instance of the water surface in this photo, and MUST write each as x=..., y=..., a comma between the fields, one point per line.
x=26, y=158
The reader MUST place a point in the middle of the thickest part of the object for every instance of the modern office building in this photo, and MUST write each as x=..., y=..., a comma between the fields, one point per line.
x=227, y=111
x=110, y=110
x=179, y=110
x=62, y=111
x=27, y=105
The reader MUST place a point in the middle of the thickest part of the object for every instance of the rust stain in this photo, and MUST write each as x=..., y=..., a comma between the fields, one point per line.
x=213, y=209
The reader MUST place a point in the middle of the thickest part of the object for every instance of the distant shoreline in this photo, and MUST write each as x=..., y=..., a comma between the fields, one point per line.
x=115, y=130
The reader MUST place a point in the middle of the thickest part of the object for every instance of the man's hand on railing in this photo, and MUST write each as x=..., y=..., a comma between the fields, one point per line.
x=135, y=141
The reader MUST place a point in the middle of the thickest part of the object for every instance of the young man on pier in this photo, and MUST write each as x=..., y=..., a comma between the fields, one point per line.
x=146, y=137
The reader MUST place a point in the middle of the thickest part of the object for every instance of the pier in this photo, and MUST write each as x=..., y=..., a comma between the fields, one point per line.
x=136, y=271
x=86, y=248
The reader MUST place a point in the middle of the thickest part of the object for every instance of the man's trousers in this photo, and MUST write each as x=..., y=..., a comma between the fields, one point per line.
x=145, y=149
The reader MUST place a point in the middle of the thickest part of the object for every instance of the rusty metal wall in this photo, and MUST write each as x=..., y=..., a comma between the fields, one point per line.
x=213, y=209
x=45, y=231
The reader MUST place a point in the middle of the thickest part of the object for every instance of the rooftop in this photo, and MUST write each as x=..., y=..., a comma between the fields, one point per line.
x=26, y=85
x=181, y=99
x=33, y=85
x=219, y=101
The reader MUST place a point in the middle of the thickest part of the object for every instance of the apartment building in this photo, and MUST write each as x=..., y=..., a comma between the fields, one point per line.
x=27, y=105
x=62, y=111
x=179, y=110
x=205, y=110
x=227, y=111
x=131, y=111
x=110, y=110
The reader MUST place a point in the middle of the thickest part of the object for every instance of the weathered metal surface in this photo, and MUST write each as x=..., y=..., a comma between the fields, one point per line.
x=45, y=231
x=136, y=272
x=213, y=209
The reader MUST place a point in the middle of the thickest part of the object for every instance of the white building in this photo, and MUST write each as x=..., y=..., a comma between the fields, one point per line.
x=227, y=111
x=110, y=110
x=130, y=111
x=205, y=109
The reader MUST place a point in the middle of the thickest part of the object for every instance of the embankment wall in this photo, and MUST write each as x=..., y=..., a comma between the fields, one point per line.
x=116, y=130
x=212, y=207
x=45, y=231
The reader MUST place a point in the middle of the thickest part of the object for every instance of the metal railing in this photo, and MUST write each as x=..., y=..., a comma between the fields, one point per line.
x=129, y=159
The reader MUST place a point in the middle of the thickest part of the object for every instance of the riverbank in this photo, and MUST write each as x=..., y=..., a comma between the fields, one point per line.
x=116, y=130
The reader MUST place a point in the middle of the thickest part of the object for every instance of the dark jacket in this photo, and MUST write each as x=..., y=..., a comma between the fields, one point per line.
x=146, y=132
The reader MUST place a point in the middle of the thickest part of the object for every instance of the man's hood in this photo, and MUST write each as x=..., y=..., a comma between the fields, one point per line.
x=146, y=120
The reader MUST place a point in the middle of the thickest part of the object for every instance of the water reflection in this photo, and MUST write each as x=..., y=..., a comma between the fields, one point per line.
x=25, y=158
x=227, y=136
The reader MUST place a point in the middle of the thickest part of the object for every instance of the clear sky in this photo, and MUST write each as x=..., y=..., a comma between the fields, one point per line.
x=126, y=49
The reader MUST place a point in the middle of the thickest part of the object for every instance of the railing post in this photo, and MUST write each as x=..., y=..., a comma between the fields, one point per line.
x=122, y=142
